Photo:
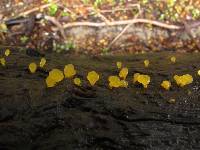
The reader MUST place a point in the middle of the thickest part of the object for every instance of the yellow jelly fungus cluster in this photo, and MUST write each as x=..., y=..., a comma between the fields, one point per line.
x=198, y=72
x=3, y=61
x=114, y=81
x=55, y=76
x=141, y=78
x=166, y=84
x=146, y=63
x=7, y=52
x=42, y=62
x=69, y=71
x=183, y=80
x=173, y=59
x=32, y=67
x=119, y=65
x=92, y=77
x=123, y=73
x=77, y=81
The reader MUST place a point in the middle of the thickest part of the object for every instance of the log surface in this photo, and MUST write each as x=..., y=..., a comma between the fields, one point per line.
x=68, y=117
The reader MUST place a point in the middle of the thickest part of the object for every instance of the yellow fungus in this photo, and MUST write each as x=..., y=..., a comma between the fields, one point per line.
x=183, y=80
x=198, y=72
x=123, y=83
x=42, y=62
x=77, y=81
x=143, y=79
x=32, y=67
x=166, y=84
x=135, y=76
x=92, y=77
x=146, y=63
x=173, y=59
x=7, y=52
x=69, y=71
x=3, y=61
x=123, y=73
x=119, y=65
x=55, y=76
x=50, y=82
x=114, y=81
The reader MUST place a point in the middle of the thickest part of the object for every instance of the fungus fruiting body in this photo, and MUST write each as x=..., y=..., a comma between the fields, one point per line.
x=123, y=73
x=141, y=78
x=77, y=81
x=42, y=62
x=119, y=65
x=198, y=72
x=92, y=77
x=69, y=71
x=146, y=63
x=7, y=52
x=173, y=59
x=32, y=67
x=166, y=84
x=183, y=80
x=3, y=61
x=114, y=81
x=55, y=76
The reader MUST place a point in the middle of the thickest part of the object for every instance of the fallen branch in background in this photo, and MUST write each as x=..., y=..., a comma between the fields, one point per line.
x=117, y=23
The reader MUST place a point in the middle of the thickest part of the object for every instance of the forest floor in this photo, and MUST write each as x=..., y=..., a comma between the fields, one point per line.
x=82, y=118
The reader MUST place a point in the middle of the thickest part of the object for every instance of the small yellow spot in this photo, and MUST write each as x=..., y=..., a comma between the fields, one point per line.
x=69, y=71
x=3, y=61
x=173, y=59
x=42, y=62
x=166, y=84
x=198, y=72
x=32, y=67
x=146, y=63
x=92, y=77
x=119, y=65
x=7, y=52
x=123, y=73
x=77, y=81
x=50, y=82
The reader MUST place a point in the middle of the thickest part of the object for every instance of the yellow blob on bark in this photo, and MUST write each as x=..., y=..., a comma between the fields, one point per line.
x=183, y=80
x=55, y=76
x=3, y=61
x=114, y=81
x=69, y=71
x=146, y=63
x=77, y=81
x=119, y=65
x=123, y=73
x=32, y=67
x=166, y=84
x=173, y=59
x=42, y=62
x=92, y=77
x=7, y=52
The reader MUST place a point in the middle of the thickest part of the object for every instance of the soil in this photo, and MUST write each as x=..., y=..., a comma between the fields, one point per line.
x=97, y=118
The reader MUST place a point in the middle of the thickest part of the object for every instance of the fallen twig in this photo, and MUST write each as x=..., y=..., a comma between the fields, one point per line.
x=56, y=23
x=117, y=23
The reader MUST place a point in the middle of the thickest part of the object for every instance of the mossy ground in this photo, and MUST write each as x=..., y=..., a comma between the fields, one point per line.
x=68, y=117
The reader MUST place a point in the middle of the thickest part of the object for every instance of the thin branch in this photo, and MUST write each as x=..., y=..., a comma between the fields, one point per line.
x=117, y=23
x=126, y=28
x=56, y=23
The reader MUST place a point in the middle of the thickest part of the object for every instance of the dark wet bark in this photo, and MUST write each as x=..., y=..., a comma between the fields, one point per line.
x=67, y=117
